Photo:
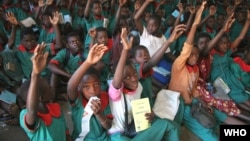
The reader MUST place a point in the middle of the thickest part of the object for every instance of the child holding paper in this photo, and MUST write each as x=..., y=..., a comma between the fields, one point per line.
x=126, y=85
x=84, y=84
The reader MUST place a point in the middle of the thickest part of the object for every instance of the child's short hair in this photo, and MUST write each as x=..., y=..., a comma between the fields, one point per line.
x=72, y=34
x=203, y=35
x=27, y=31
x=156, y=18
x=92, y=71
x=136, y=48
x=95, y=2
x=101, y=29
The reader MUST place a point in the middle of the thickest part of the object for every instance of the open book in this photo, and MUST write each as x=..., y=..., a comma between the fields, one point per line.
x=28, y=22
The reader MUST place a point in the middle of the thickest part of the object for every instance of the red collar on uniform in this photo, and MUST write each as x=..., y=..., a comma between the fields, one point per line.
x=8, y=6
x=214, y=51
x=209, y=30
x=192, y=69
x=50, y=30
x=23, y=49
x=245, y=67
x=128, y=91
x=99, y=17
x=54, y=111
x=104, y=100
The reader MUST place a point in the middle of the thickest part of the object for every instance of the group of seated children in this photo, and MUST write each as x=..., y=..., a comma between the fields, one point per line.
x=102, y=57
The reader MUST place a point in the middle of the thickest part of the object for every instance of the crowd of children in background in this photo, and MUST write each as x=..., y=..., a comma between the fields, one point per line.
x=120, y=51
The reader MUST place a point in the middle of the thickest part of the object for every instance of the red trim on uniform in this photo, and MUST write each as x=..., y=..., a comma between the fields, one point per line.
x=1, y=48
x=209, y=30
x=99, y=17
x=54, y=111
x=193, y=68
x=23, y=49
x=52, y=47
x=110, y=44
x=242, y=64
x=213, y=52
x=146, y=74
x=54, y=62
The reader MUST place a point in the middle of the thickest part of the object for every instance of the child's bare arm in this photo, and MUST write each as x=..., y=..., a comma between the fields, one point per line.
x=10, y=17
x=86, y=12
x=181, y=10
x=243, y=32
x=54, y=21
x=39, y=61
x=95, y=54
x=121, y=64
x=137, y=17
x=228, y=23
x=191, y=18
x=178, y=30
x=212, y=12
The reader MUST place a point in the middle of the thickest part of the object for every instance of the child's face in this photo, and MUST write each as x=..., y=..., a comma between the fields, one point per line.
x=25, y=6
x=130, y=77
x=202, y=42
x=46, y=21
x=152, y=26
x=220, y=20
x=74, y=44
x=210, y=22
x=223, y=45
x=194, y=56
x=97, y=9
x=102, y=37
x=142, y=56
x=90, y=86
x=124, y=11
x=80, y=11
x=29, y=41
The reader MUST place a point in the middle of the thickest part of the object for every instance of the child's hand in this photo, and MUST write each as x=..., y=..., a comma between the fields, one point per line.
x=150, y=116
x=49, y=2
x=212, y=10
x=192, y=9
x=56, y=17
x=39, y=59
x=126, y=45
x=229, y=10
x=122, y=2
x=176, y=33
x=41, y=3
x=180, y=7
x=237, y=2
x=198, y=14
x=10, y=17
x=228, y=23
x=92, y=32
x=96, y=52
x=96, y=106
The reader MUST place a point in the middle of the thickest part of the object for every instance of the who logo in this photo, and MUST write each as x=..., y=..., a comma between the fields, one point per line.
x=241, y=132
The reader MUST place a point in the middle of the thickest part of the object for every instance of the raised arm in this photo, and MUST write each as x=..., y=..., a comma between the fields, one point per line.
x=137, y=17
x=178, y=30
x=95, y=54
x=39, y=61
x=10, y=17
x=243, y=32
x=181, y=10
x=212, y=12
x=86, y=12
x=118, y=12
x=54, y=21
x=191, y=18
x=227, y=25
x=117, y=81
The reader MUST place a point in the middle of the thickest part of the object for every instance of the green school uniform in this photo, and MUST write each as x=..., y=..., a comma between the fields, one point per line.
x=221, y=68
x=97, y=132
x=24, y=58
x=90, y=23
x=72, y=63
x=47, y=36
x=205, y=134
x=56, y=131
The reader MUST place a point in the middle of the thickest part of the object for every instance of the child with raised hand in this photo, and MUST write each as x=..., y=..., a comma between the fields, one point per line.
x=126, y=85
x=40, y=120
x=84, y=84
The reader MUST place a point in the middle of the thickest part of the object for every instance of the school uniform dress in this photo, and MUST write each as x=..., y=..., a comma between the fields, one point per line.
x=96, y=132
x=221, y=68
x=167, y=130
x=70, y=64
x=184, y=80
x=47, y=36
x=48, y=127
x=152, y=43
x=242, y=71
x=24, y=57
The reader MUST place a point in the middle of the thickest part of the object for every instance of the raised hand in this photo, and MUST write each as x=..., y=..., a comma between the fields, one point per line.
x=228, y=23
x=41, y=3
x=39, y=59
x=198, y=14
x=55, y=19
x=92, y=32
x=180, y=7
x=95, y=54
x=10, y=17
x=122, y=2
x=126, y=44
x=49, y=2
x=176, y=33
x=192, y=9
x=237, y=2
